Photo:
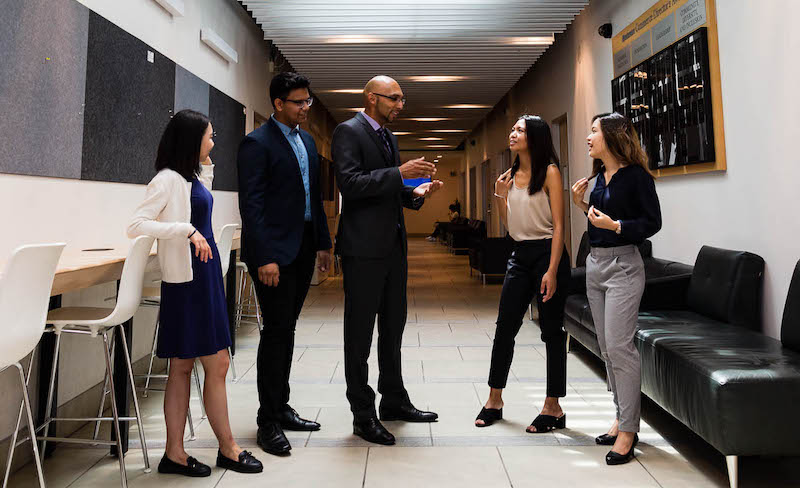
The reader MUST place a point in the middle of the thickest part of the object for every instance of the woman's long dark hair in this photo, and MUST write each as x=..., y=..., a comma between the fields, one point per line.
x=622, y=141
x=179, y=149
x=540, y=147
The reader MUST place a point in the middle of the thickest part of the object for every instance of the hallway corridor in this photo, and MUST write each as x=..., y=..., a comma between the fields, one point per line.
x=447, y=345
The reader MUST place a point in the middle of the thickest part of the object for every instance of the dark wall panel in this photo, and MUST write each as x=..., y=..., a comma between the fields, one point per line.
x=129, y=101
x=190, y=91
x=42, y=86
x=228, y=118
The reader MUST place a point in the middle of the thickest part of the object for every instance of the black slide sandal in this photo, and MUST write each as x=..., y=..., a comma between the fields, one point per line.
x=489, y=416
x=547, y=423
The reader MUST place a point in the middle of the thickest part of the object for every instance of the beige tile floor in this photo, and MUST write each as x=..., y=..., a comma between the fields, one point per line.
x=446, y=351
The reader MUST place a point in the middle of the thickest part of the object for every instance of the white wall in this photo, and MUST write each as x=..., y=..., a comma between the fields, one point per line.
x=423, y=221
x=84, y=213
x=751, y=206
x=95, y=214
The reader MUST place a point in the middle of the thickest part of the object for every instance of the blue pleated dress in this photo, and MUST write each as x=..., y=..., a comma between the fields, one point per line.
x=194, y=315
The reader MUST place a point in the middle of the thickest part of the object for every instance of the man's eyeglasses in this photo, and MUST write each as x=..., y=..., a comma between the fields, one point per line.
x=393, y=98
x=308, y=101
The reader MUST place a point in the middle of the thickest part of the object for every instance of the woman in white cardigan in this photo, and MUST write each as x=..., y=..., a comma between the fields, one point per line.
x=193, y=315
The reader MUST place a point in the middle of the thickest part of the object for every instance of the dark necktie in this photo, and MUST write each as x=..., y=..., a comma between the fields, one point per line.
x=385, y=139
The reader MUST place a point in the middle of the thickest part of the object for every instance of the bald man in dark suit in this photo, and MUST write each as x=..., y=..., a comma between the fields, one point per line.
x=372, y=242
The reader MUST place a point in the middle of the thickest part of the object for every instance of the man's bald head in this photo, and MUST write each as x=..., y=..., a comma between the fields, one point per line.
x=380, y=84
x=382, y=99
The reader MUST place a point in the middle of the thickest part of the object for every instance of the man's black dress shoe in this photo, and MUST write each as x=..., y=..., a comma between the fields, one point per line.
x=407, y=413
x=194, y=468
x=272, y=439
x=614, y=458
x=372, y=430
x=246, y=463
x=290, y=420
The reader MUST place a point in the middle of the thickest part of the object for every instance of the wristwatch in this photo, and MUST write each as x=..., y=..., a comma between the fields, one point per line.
x=618, y=230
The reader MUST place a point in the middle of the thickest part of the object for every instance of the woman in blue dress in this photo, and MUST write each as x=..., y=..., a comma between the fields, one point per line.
x=193, y=316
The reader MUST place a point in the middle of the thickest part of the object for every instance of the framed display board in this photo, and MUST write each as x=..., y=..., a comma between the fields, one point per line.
x=667, y=80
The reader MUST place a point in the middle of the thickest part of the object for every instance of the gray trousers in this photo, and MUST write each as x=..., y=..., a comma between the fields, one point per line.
x=614, y=287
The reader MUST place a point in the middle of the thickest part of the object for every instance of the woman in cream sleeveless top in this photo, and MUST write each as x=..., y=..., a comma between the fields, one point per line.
x=529, y=216
x=531, y=204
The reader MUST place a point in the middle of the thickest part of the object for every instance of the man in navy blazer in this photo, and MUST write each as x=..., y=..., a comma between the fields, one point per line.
x=284, y=233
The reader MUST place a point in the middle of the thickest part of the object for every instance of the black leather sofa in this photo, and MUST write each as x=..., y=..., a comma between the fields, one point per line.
x=489, y=256
x=461, y=236
x=704, y=359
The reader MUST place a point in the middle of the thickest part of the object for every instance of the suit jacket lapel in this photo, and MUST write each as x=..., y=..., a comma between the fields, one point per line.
x=395, y=149
x=374, y=136
x=277, y=133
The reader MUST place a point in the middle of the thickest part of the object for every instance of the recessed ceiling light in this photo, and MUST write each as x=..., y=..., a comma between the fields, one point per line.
x=439, y=156
x=353, y=91
x=402, y=133
x=435, y=160
x=436, y=78
x=431, y=139
x=449, y=131
x=428, y=119
x=466, y=106
x=353, y=109
x=532, y=41
x=353, y=39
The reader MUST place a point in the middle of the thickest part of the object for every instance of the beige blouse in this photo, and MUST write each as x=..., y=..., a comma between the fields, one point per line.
x=529, y=216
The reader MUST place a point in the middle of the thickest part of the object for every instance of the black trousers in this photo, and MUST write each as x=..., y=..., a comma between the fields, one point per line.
x=526, y=266
x=374, y=287
x=280, y=309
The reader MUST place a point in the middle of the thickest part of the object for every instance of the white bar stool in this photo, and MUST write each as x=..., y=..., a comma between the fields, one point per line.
x=224, y=246
x=91, y=322
x=252, y=300
x=24, y=296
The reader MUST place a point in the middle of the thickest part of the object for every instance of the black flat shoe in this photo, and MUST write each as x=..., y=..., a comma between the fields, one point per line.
x=271, y=439
x=489, y=416
x=407, y=413
x=246, y=463
x=614, y=458
x=193, y=469
x=290, y=420
x=547, y=423
x=371, y=430
x=605, y=440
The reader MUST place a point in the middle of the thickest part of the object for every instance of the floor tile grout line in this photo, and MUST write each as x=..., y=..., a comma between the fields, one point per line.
x=305, y=350
x=316, y=419
x=366, y=464
x=84, y=473
x=475, y=389
x=503, y=462
x=241, y=377
x=220, y=479
x=648, y=472
x=333, y=375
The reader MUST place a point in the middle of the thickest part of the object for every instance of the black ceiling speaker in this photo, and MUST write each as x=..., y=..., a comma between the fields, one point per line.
x=605, y=31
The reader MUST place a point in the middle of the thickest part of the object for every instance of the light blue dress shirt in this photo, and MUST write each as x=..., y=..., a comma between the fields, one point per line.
x=293, y=136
